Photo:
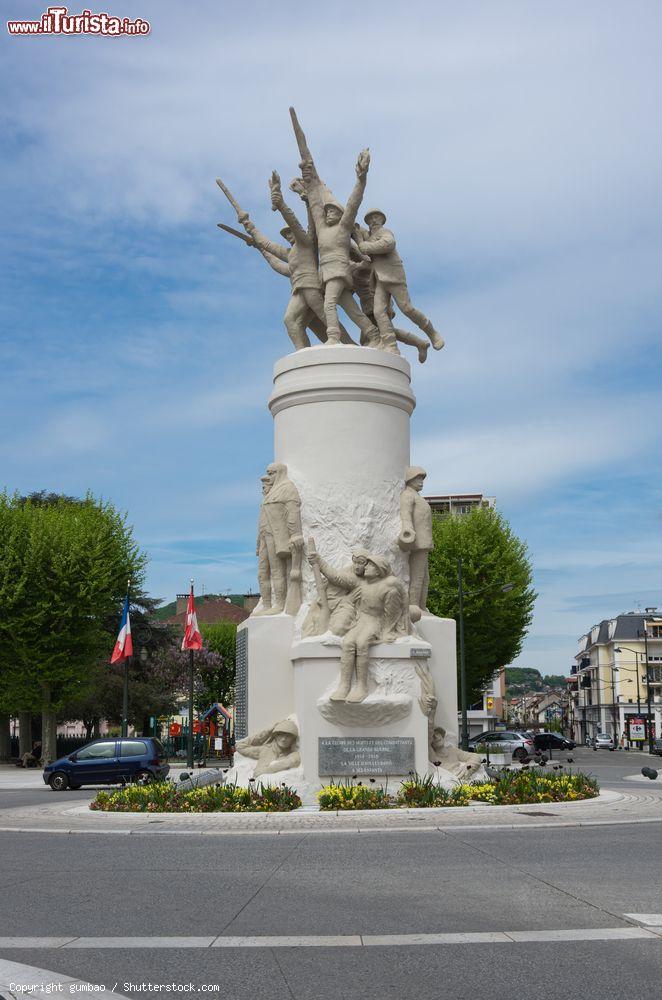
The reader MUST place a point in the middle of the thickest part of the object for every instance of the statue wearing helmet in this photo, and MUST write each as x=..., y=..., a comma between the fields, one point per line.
x=391, y=280
x=275, y=749
x=416, y=535
x=381, y=615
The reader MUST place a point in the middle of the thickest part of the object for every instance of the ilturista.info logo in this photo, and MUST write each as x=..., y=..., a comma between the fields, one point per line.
x=58, y=21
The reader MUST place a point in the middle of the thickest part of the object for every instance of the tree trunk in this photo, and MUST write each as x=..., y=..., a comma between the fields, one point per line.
x=5, y=738
x=48, y=727
x=24, y=733
x=96, y=731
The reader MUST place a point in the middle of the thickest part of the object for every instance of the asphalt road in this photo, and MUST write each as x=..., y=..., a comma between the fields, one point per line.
x=312, y=905
x=580, y=881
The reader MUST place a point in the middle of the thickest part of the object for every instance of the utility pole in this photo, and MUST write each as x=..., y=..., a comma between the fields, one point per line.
x=649, y=721
x=464, y=729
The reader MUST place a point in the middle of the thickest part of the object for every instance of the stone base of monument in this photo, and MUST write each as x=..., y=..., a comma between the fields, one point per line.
x=264, y=684
x=384, y=735
x=440, y=634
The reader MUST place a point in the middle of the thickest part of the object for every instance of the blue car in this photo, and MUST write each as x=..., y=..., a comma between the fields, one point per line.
x=109, y=761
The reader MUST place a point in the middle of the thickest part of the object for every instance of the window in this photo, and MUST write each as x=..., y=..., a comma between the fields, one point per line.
x=97, y=751
x=655, y=632
x=132, y=748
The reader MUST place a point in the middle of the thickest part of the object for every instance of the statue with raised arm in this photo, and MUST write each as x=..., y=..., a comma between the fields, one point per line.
x=333, y=226
x=380, y=600
x=280, y=542
x=333, y=609
x=391, y=280
x=416, y=535
x=298, y=259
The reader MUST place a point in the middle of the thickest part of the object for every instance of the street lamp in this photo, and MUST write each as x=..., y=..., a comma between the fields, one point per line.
x=505, y=587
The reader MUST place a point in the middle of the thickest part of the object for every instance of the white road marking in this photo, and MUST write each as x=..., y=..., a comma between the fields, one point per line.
x=141, y=942
x=653, y=919
x=586, y=934
x=652, y=933
x=304, y=941
x=460, y=937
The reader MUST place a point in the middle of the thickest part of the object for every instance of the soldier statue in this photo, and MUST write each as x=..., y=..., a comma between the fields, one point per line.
x=381, y=615
x=416, y=536
x=391, y=280
x=280, y=543
x=333, y=226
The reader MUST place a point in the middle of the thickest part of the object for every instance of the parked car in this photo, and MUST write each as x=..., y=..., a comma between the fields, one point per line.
x=518, y=744
x=552, y=741
x=602, y=741
x=109, y=761
x=657, y=746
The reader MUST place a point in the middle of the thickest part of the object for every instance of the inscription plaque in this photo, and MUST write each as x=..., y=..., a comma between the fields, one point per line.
x=241, y=685
x=366, y=755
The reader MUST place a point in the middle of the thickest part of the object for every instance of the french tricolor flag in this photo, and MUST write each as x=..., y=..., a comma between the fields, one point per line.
x=124, y=645
x=192, y=638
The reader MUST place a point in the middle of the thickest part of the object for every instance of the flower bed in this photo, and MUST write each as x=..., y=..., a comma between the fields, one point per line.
x=510, y=788
x=164, y=797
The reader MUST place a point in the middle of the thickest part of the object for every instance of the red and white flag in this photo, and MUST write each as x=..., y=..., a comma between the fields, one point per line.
x=192, y=638
x=124, y=645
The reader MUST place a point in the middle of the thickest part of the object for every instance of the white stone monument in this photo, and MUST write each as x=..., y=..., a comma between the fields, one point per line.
x=342, y=428
x=338, y=652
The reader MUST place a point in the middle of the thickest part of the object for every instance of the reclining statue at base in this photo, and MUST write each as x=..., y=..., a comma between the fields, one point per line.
x=275, y=749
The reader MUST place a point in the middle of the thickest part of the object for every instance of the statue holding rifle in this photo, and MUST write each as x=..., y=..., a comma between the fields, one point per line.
x=334, y=225
x=300, y=259
x=297, y=318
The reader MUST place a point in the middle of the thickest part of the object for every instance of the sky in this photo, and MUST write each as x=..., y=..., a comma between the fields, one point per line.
x=517, y=151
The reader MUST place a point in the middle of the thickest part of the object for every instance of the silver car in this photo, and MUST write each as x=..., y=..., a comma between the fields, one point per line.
x=518, y=744
x=602, y=741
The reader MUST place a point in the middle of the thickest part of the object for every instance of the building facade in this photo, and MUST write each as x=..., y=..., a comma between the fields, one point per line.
x=617, y=679
x=457, y=504
x=487, y=713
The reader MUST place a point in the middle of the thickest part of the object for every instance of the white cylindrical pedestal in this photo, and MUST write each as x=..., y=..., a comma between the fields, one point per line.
x=341, y=425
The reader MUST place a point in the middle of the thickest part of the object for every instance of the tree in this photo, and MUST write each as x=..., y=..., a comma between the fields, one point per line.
x=64, y=564
x=221, y=638
x=495, y=623
x=523, y=679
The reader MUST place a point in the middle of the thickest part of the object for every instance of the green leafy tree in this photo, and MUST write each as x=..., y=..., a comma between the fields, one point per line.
x=64, y=564
x=218, y=684
x=555, y=681
x=495, y=622
x=523, y=679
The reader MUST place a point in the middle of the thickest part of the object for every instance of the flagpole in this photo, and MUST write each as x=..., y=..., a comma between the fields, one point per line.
x=125, y=695
x=189, y=748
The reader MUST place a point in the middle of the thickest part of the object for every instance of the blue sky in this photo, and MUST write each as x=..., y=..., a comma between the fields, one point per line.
x=516, y=149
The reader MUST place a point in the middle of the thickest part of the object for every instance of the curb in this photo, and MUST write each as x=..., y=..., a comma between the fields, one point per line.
x=557, y=814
